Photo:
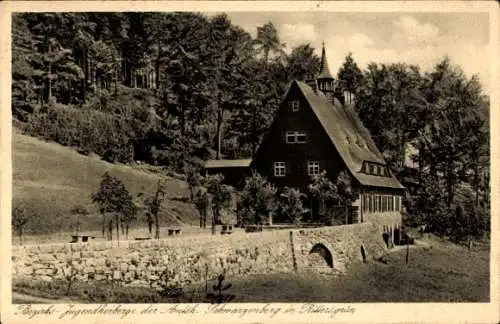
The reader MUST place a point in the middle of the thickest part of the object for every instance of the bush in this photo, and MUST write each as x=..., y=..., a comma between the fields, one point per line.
x=88, y=130
x=257, y=200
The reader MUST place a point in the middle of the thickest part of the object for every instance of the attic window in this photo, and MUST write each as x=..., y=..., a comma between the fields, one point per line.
x=296, y=137
x=294, y=105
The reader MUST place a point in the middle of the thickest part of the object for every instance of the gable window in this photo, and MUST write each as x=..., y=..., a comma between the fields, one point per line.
x=296, y=137
x=312, y=168
x=279, y=169
x=294, y=105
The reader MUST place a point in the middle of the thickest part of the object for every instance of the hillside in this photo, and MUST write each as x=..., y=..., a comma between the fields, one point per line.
x=52, y=179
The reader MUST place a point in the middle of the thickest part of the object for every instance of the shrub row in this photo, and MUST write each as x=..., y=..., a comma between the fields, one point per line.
x=90, y=131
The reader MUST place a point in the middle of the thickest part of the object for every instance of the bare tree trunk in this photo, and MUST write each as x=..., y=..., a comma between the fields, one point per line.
x=201, y=218
x=110, y=230
x=117, y=218
x=213, y=221
x=476, y=180
x=205, y=216
x=103, y=224
x=50, y=76
x=21, y=236
x=220, y=117
x=157, y=227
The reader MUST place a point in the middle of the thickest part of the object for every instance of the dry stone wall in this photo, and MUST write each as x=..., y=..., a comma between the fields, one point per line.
x=141, y=263
x=188, y=259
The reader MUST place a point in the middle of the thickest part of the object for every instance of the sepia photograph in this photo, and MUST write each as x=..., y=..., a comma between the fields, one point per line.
x=221, y=156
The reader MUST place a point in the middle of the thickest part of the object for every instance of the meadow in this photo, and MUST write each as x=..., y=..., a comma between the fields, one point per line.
x=51, y=179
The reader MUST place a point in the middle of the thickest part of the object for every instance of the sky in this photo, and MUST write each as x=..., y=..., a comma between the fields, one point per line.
x=414, y=38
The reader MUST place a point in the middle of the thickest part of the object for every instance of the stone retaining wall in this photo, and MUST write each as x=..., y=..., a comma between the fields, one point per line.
x=188, y=259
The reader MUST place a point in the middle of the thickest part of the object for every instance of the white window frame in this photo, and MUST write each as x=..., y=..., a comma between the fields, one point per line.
x=313, y=168
x=295, y=105
x=279, y=169
x=294, y=135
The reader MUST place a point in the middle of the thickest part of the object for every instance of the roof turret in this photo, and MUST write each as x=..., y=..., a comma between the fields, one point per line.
x=324, y=71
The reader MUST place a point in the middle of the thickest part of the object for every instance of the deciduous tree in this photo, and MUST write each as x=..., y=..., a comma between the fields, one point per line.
x=257, y=200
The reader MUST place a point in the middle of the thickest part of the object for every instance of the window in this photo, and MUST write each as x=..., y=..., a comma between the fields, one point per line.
x=296, y=137
x=294, y=105
x=279, y=169
x=374, y=169
x=398, y=201
x=312, y=168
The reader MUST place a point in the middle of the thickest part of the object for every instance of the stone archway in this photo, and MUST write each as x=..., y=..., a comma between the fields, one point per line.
x=320, y=256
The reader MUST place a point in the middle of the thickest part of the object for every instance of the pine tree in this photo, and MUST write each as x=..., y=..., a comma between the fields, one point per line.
x=350, y=76
x=302, y=63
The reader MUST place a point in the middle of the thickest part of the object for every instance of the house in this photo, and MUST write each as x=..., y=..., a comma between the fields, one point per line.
x=315, y=129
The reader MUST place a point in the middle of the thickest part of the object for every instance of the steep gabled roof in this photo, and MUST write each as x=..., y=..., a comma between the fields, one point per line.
x=349, y=136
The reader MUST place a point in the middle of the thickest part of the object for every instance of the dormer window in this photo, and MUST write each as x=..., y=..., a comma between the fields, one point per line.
x=296, y=137
x=294, y=105
x=375, y=169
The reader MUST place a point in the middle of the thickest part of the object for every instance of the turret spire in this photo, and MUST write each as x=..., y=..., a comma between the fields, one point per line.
x=324, y=71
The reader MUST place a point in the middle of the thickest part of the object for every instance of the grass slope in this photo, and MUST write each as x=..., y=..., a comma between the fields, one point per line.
x=52, y=179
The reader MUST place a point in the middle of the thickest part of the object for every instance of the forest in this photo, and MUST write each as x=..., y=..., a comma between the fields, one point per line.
x=174, y=89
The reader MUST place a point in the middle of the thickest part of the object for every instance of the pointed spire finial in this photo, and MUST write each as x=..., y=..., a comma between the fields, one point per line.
x=324, y=71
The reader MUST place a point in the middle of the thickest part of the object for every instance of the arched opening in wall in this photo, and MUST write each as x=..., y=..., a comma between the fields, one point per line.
x=363, y=253
x=319, y=255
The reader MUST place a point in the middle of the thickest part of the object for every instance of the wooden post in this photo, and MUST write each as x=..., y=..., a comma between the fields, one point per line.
x=407, y=252
x=206, y=278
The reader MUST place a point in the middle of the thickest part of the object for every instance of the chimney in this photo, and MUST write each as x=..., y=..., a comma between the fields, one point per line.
x=349, y=97
x=340, y=96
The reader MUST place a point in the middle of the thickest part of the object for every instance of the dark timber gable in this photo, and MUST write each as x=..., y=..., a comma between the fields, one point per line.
x=317, y=147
